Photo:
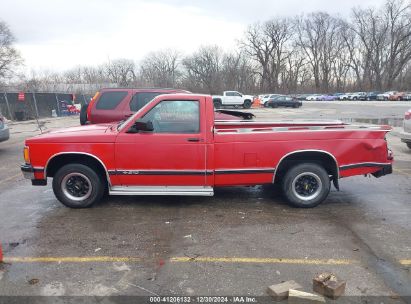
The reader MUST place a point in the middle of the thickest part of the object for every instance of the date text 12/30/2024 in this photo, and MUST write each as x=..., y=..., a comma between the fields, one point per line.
x=206, y=299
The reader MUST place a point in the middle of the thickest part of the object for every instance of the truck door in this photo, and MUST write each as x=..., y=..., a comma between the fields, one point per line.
x=173, y=154
x=237, y=98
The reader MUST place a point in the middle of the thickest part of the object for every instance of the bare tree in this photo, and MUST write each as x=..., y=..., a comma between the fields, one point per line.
x=121, y=72
x=237, y=72
x=268, y=45
x=162, y=68
x=9, y=56
x=203, y=69
x=319, y=35
x=398, y=51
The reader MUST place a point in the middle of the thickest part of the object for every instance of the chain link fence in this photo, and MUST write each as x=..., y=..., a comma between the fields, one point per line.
x=39, y=105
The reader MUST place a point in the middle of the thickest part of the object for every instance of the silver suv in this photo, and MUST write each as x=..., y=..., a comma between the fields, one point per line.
x=4, y=130
x=406, y=135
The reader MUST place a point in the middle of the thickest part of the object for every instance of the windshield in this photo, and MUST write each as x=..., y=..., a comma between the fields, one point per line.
x=123, y=123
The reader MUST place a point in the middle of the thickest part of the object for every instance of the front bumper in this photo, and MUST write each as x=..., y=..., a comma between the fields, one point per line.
x=29, y=173
x=4, y=133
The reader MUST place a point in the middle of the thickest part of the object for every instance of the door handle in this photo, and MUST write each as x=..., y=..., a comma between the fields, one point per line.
x=194, y=139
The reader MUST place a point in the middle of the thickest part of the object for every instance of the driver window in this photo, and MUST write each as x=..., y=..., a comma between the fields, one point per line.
x=175, y=116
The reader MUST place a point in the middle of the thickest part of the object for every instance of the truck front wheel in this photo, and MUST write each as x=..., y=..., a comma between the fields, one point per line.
x=77, y=186
x=247, y=104
x=306, y=185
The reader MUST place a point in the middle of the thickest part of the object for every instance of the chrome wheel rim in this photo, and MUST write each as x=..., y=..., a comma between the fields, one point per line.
x=307, y=186
x=76, y=186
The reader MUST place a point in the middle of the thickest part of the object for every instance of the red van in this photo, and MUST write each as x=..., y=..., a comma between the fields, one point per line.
x=115, y=104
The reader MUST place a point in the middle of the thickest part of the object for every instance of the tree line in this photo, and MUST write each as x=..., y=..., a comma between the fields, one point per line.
x=317, y=52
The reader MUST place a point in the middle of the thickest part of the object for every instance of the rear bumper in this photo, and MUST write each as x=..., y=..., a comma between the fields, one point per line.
x=385, y=170
x=28, y=173
x=4, y=133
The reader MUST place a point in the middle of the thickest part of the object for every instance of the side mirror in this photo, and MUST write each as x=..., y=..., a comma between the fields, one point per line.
x=141, y=126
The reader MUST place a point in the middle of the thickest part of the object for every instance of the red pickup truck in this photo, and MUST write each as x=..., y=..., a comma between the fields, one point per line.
x=174, y=146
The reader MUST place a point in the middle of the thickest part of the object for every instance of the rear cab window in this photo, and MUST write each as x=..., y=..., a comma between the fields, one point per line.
x=110, y=100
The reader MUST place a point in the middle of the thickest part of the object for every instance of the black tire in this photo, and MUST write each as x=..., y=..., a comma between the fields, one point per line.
x=247, y=104
x=274, y=105
x=298, y=178
x=296, y=106
x=83, y=115
x=83, y=175
x=217, y=104
x=409, y=145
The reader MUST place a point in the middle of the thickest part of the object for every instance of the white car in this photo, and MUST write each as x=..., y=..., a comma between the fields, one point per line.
x=313, y=97
x=345, y=96
x=386, y=95
x=358, y=96
x=233, y=98
x=406, y=134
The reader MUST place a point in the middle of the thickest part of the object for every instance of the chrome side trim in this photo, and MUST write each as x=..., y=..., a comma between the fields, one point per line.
x=284, y=121
x=363, y=165
x=270, y=130
x=245, y=171
x=158, y=172
x=190, y=172
x=309, y=150
x=82, y=153
x=162, y=190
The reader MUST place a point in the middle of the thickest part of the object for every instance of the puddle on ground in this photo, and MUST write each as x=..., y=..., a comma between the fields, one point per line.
x=393, y=122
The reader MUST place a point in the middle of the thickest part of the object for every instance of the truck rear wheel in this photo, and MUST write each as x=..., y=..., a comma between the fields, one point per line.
x=306, y=185
x=409, y=145
x=217, y=104
x=77, y=186
x=247, y=104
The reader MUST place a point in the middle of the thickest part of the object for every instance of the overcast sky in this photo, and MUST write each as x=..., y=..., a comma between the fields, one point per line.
x=60, y=34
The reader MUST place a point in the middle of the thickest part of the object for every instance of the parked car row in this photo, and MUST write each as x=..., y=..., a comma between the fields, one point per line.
x=390, y=95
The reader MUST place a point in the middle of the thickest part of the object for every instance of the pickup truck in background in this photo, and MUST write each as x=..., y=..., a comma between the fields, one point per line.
x=232, y=98
x=174, y=146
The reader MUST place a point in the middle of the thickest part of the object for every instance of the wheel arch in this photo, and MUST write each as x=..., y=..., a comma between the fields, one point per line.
x=58, y=160
x=322, y=157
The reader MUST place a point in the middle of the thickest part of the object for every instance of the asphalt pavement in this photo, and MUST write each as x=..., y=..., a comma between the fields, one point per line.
x=238, y=242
